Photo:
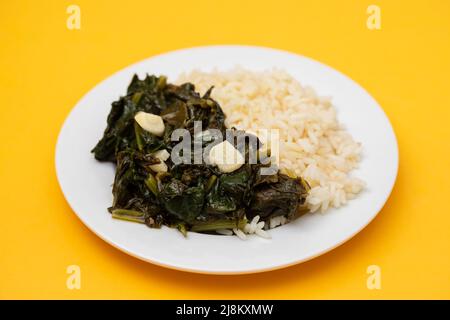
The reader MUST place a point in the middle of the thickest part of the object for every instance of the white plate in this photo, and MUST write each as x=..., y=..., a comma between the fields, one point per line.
x=86, y=183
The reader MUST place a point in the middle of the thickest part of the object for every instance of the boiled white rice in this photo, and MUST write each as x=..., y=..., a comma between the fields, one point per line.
x=313, y=144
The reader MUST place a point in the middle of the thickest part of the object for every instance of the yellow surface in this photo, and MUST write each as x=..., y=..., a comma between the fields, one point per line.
x=45, y=68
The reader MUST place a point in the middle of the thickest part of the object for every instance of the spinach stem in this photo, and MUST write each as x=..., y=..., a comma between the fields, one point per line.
x=128, y=215
x=129, y=218
x=139, y=143
x=127, y=212
x=220, y=224
x=210, y=183
x=152, y=184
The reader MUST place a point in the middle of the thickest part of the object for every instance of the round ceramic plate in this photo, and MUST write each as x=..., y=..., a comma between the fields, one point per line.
x=86, y=183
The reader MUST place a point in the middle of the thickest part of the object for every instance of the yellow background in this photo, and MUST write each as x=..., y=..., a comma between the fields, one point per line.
x=46, y=68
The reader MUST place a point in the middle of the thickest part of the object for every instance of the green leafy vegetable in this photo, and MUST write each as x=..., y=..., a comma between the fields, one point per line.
x=195, y=197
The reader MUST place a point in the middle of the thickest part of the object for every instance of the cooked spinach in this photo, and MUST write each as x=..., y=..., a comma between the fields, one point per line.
x=196, y=197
